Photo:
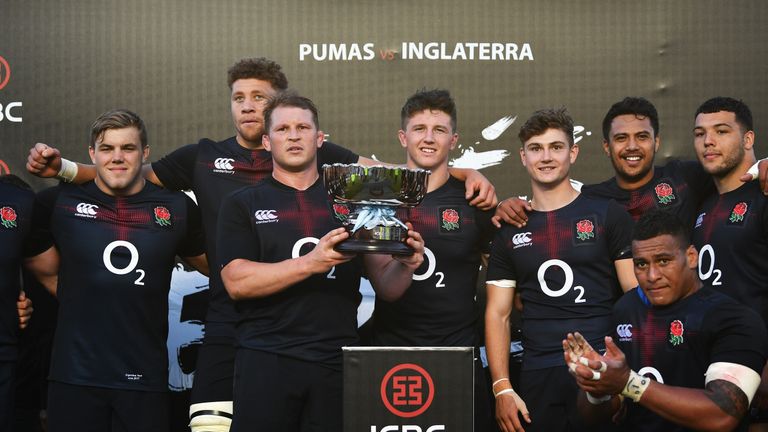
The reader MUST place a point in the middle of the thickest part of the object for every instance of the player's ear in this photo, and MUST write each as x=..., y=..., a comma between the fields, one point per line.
x=574, y=152
x=606, y=148
x=92, y=154
x=401, y=137
x=144, y=154
x=692, y=257
x=265, y=142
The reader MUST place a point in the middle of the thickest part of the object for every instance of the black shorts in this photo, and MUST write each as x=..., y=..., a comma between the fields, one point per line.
x=215, y=371
x=97, y=409
x=284, y=394
x=7, y=391
x=550, y=395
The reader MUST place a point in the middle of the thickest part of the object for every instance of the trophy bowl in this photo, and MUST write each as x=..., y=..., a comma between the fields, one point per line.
x=365, y=200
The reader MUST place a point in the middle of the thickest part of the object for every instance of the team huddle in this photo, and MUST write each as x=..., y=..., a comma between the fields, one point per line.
x=643, y=299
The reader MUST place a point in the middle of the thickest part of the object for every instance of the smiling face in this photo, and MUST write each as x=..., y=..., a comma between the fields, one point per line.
x=632, y=147
x=548, y=157
x=428, y=139
x=118, y=157
x=248, y=99
x=293, y=139
x=665, y=270
x=720, y=143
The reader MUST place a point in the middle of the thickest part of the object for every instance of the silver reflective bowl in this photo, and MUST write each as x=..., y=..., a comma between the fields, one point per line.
x=377, y=185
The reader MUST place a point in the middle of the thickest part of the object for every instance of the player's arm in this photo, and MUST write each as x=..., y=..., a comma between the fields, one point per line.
x=199, y=262
x=513, y=210
x=758, y=171
x=45, y=268
x=391, y=276
x=497, y=340
x=720, y=406
x=246, y=279
x=626, y=273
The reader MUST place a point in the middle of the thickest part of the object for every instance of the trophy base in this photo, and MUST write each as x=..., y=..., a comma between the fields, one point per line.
x=363, y=246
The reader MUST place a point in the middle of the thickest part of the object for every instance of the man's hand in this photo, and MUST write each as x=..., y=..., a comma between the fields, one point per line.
x=324, y=257
x=44, y=161
x=416, y=242
x=762, y=176
x=512, y=211
x=509, y=407
x=24, y=308
x=596, y=374
x=481, y=189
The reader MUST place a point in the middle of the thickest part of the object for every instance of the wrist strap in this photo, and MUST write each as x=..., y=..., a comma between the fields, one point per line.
x=68, y=171
x=505, y=391
x=636, y=386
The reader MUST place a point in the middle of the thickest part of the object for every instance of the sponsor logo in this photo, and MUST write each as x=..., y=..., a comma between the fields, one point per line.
x=265, y=216
x=585, y=230
x=700, y=220
x=625, y=332
x=162, y=216
x=8, y=217
x=664, y=193
x=738, y=212
x=224, y=165
x=449, y=220
x=407, y=390
x=8, y=110
x=408, y=428
x=86, y=210
x=522, y=239
x=676, y=331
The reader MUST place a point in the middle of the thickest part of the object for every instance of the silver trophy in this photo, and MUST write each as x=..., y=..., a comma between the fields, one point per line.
x=365, y=199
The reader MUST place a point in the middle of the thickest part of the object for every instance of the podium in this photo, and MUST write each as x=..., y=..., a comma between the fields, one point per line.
x=408, y=389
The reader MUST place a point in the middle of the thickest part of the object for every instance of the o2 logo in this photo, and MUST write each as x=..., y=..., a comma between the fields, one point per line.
x=431, y=260
x=296, y=252
x=568, y=280
x=134, y=261
x=407, y=390
x=709, y=252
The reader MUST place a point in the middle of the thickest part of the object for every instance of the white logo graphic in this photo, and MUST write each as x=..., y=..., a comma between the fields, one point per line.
x=183, y=335
x=265, y=216
x=495, y=130
x=567, y=285
x=625, y=332
x=134, y=252
x=700, y=220
x=86, y=210
x=521, y=239
x=224, y=165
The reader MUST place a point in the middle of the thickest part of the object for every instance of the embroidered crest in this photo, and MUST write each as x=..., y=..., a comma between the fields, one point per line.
x=676, y=332
x=341, y=212
x=738, y=212
x=8, y=217
x=450, y=220
x=664, y=193
x=585, y=229
x=162, y=216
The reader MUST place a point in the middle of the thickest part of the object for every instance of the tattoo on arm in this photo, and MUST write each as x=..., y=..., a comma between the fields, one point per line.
x=728, y=397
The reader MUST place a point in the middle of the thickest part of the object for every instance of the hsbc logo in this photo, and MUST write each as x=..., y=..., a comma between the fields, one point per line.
x=625, y=332
x=86, y=210
x=265, y=216
x=8, y=111
x=224, y=165
x=521, y=239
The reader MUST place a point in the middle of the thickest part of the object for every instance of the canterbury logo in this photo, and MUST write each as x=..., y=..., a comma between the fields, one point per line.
x=224, y=164
x=624, y=331
x=87, y=209
x=521, y=238
x=265, y=215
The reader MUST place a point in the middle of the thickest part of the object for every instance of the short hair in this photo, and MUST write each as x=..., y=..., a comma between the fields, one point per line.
x=657, y=222
x=118, y=119
x=259, y=68
x=289, y=98
x=638, y=106
x=737, y=107
x=423, y=99
x=544, y=119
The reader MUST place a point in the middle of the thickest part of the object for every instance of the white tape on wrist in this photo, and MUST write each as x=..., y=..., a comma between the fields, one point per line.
x=502, y=392
x=68, y=171
x=636, y=386
x=597, y=400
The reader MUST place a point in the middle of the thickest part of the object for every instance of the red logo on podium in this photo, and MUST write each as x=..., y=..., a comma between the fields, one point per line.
x=407, y=390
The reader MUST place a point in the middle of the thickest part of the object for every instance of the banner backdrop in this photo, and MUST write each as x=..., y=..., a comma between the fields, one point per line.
x=63, y=63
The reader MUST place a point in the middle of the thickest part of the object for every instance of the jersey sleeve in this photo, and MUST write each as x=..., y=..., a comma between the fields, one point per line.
x=176, y=169
x=40, y=236
x=193, y=243
x=500, y=264
x=740, y=336
x=619, y=224
x=331, y=153
x=235, y=238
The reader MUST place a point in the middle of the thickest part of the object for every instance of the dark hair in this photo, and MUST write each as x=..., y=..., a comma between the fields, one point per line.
x=289, y=98
x=657, y=222
x=737, y=107
x=637, y=106
x=118, y=119
x=258, y=68
x=436, y=99
x=544, y=119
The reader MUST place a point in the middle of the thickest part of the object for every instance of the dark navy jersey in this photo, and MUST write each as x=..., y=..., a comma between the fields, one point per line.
x=117, y=254
x=678, y=186
x=563, y=262
x=675, y=344
x=212, y=170
x=311, y=320
x=16, y=205
x=439, y=307
x=731, y=235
